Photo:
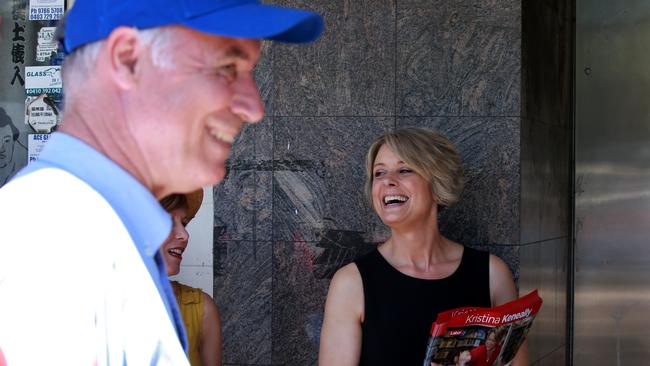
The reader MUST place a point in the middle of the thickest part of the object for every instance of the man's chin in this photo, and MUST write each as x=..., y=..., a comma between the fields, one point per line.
x=198, y=176
x=217, y=176
x=209, y=178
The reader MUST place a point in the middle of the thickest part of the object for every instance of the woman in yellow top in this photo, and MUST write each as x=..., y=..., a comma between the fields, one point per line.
x=200, y=313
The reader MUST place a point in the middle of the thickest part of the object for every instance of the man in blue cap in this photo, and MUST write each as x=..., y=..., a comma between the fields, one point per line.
x=156, y=92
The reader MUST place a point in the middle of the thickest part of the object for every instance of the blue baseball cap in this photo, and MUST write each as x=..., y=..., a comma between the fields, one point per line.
x=93, y=20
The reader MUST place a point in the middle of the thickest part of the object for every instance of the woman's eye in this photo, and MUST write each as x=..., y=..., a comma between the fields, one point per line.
x=405, y=171
x=378, y=173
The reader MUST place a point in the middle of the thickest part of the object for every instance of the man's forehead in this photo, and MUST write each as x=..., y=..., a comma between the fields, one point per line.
x=224, y=47
x=244, y=49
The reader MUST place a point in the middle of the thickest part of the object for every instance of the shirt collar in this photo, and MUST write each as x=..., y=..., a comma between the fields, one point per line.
x=146, y=221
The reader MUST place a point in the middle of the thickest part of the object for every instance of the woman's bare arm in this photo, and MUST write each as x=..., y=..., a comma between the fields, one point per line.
x=340, y=341
x=210, y=341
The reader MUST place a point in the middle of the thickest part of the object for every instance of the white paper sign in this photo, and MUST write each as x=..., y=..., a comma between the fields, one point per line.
x=39, y=114
x=46, y=44
x=43, y=80
x=46, y=9
x=35, y=144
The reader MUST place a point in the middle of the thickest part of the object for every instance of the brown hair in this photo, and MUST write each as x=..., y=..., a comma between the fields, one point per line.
x=191, y=201
x=173, y=201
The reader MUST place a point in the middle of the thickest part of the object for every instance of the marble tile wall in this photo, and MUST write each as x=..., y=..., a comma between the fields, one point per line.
x=291, y=209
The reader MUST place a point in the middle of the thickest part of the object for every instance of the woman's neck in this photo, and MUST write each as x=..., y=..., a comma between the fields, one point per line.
x=426, y=255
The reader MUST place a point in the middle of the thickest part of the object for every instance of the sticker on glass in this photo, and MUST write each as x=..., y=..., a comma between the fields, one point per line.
x=35, y=144
x=47, y=44
x=43, y=80
x=46, y=9
x=41, y=113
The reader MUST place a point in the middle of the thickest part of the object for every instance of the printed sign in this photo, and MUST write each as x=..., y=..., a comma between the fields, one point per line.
x=43, y=80
x=46, y=44
x=41, y=113
x=46, y=9
x=35, y=144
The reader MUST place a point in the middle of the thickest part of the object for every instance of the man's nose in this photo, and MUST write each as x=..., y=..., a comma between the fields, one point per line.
x=247, y=103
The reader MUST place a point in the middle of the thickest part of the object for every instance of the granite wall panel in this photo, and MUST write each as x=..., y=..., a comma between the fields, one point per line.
x=458, y=58
x=319, y=175
x=254, y=144
x=298, y=298
x=243, y=203
x=243, y=292
x=349, y=71
x=263, y=74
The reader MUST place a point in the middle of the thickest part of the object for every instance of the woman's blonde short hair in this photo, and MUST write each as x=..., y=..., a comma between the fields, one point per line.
x=428, y=153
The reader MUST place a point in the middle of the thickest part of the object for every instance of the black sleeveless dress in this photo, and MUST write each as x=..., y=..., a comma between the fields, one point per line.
x=400, y=309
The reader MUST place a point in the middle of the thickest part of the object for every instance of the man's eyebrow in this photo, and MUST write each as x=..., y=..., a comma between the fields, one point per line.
x=237, y=52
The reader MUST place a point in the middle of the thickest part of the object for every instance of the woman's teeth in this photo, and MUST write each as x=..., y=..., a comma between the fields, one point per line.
x=395, y=199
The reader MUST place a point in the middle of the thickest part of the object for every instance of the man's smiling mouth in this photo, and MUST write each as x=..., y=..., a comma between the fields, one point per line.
x=222, y=136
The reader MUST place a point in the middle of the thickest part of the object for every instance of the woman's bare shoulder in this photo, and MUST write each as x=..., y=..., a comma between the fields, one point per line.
x=502, y=284
x=348, y=278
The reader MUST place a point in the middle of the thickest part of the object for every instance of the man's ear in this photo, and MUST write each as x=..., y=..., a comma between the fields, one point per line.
x=124, y=49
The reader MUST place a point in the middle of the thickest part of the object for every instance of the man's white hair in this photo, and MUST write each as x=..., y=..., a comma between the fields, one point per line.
x=77, y=67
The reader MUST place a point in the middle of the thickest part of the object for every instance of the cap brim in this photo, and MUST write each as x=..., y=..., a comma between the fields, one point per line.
x=259, y=21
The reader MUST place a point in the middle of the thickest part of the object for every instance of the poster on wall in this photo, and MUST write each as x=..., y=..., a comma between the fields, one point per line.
x=32, y=91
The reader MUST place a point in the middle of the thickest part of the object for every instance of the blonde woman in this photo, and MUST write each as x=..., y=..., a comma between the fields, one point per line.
x=380, y=308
